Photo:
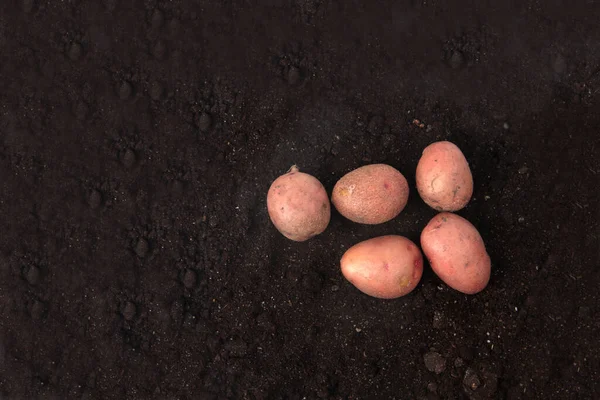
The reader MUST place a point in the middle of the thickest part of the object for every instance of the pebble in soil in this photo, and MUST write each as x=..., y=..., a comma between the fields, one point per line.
x=434, y=362
x=142, y=247
x=129, y=310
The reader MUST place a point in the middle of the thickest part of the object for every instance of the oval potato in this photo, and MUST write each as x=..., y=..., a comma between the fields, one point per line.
x=371, y=194
x=444, y=179
x=298, y=205
x=385, y=267
x=456, y=253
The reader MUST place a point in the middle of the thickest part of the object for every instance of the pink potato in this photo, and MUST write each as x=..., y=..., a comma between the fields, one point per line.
x=456, y=253
x=371, y=194
x=385, y=267
x=298, y=205
x=444, y=179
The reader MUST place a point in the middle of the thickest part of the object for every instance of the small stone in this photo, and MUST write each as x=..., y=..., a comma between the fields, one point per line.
x=521, y=219
x=95, y=199
x=434, y=362
x=158, y=18
x=432, y=387
x=159, y=50
x=204, y=122
x=471, y=380
x=293, y=75
x=141, y=248
x=457, y=59
x=128, y=158
x=506, y=126
x=335, y=288
x=156, y=91
x=129, y=311
x=33, y=275
x=27, y=5
x=75, y=51
x=523, y=170
x=213, y=221
x=190, y=278
x=125, y=90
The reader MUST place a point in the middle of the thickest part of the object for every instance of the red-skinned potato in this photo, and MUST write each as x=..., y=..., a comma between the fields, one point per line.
x=298, y=205
x=372, y=194
x=385, y=267
x=444, y=179
x=456, y=253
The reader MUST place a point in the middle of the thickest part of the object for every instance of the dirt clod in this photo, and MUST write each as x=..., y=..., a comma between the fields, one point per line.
x=434, y=362
x=142, y=247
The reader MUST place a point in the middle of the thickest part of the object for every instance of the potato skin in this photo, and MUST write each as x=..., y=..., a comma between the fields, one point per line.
x=386, y=267
x=456, y=253
x=298, y=205
x=444, y=179
x=371, y=194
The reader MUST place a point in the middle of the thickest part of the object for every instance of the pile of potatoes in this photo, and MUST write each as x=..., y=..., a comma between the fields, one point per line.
x=391, y=266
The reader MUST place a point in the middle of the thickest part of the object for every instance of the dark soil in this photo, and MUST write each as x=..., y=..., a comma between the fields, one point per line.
x=137, y=143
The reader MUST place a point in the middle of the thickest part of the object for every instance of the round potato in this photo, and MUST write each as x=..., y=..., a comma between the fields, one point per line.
x=456, y=253
x=298, y=205
x=385, y=267
x=371, y=194
x=444, y=179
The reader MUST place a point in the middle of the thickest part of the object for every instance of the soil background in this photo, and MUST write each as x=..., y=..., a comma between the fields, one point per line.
x=138, y=140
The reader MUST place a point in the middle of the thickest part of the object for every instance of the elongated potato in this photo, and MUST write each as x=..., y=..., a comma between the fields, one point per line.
x=456, y=253
x=298, y=205
x=444, y=179
x=371, y=194
x=385, y=267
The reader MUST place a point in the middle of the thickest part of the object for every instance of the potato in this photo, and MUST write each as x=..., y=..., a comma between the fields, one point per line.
x=444, y=179
x=456, y=253
x=298, y=205
x=385, y=267
x=371, y=194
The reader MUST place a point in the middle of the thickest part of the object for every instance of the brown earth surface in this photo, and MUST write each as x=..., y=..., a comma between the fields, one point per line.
x=138, y=140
